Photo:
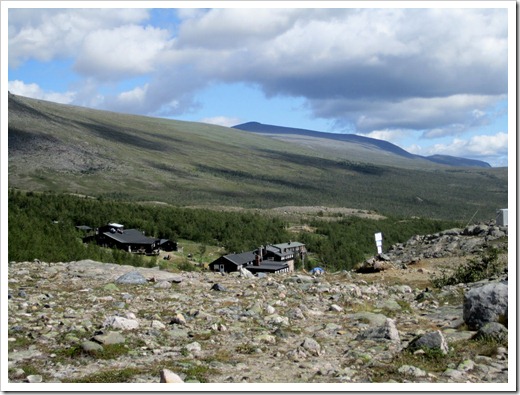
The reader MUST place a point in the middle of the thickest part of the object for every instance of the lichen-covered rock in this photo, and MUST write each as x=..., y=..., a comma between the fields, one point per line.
x=131, y=278
x=109, y=338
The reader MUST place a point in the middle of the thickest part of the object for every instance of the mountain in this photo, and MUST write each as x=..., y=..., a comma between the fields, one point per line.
x=281, y=132
x=64, y=148
x=456, y=161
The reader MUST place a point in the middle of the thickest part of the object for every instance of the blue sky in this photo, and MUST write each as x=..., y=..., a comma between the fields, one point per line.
x=431, y=80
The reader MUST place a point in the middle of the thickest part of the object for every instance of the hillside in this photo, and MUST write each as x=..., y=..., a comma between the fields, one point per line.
x=354, y=145
x=71, y=149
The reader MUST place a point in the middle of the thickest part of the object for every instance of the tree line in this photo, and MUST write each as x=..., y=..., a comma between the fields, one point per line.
x=340, y=245
x=43, y=226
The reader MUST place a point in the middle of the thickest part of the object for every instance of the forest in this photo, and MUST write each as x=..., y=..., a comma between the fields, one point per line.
x=43, y=226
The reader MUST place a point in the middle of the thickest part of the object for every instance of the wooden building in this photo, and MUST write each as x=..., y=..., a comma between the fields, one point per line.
x=131, y=240
x=278, y=258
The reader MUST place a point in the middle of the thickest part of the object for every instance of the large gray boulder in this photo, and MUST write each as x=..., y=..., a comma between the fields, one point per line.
x=387, y=331
x=487, y=303
x=430, y=341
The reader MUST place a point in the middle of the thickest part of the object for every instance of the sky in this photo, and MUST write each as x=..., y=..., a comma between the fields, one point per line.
x=430, y=80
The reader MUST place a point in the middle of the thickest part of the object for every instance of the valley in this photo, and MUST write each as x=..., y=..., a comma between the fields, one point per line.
x=60, y=148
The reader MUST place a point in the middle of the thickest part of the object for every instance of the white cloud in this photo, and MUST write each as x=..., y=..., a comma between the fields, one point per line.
x=391, y=135
x=121, y=52
x=437, y=116
x=222, y=121
x=33, y=90
x=134, y=96
x=415, y=149
x=234, y=27
x=490, y=148
x=46, y=34
x=436, y=71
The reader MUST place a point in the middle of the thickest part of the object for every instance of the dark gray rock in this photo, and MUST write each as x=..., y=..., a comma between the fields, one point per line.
x=131, y=278
x=387, y=331
x=218, y=287
x=430, y=341
x=484, y=304
x=492, y=330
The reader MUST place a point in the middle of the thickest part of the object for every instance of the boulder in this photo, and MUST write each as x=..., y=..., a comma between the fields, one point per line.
x=296, y=314
x=487, y=303
x=167, y=376
x=131, y=278
x=121, y=323
x=218, y=287
x=387, y=331
x=412, y=371
x=156, y=324
x=430, y=341
x=492, y=330
x=34, y=378
x=90, y=346
x=193, y=347
x=246, y=273
x=178, y=319
x=312, y=346
x=163, y=285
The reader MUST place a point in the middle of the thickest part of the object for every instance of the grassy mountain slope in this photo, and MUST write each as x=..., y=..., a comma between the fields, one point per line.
x=359, y=147
x=72, y=149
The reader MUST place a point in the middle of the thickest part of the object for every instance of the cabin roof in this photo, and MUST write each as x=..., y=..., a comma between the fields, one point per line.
x=130, y=236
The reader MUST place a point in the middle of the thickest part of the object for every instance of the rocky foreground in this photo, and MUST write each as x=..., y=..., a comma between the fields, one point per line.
x=93, y=322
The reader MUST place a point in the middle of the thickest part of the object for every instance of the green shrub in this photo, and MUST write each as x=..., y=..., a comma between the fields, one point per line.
x=186, y=266
x=484, y=266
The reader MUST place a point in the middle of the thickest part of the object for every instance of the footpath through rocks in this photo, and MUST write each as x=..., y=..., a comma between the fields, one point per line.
x=94, y=322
